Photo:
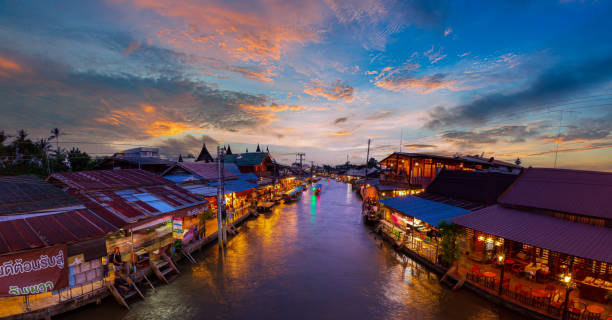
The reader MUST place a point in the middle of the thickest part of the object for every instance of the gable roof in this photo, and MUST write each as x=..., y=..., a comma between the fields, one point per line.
x=204, y=155
x=29, y=193
x=429, y=211
x=247, y=159
x=538, y=230
x=578, y=192
x=483, y=187
x=202, y=170
x=106, y=179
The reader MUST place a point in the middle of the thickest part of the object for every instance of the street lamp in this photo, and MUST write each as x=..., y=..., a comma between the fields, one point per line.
x=501, y=261
x=567, y=278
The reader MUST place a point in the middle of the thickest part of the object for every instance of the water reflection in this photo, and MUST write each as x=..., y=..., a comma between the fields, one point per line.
x=312, y=259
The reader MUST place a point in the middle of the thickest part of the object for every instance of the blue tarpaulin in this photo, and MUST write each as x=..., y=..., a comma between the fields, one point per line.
x=429, y=211
x=295, y=190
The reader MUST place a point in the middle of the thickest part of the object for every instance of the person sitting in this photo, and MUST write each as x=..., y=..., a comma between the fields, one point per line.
x=122, y=285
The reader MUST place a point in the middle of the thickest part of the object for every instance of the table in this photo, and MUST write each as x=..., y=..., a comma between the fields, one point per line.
x=539, y=293
x=594, y=308
x=489, y=274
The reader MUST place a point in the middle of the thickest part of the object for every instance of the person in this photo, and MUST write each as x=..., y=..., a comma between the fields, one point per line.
x=122, y=286
x=116, y=259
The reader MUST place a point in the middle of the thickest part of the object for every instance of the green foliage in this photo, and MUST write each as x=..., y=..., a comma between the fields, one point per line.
x=449, y=233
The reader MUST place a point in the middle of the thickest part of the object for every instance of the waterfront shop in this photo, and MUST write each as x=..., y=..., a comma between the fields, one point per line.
x=51, y=262
x=546, y=244
x=143, y=206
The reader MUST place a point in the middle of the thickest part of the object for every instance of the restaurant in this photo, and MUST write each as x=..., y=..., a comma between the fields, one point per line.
x=549, y=239
x=416, y=218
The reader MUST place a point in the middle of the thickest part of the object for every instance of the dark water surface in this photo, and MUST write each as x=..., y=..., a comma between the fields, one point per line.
x=313, y=259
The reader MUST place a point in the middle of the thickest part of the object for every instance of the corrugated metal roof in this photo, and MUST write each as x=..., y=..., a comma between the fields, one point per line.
x=28, y=193
x=247, y=159
x=205, y=171
x=572, y=191
x=577, y=239
x=107, y=179
x=484, y=187
x=429, y=211
x=34, y=231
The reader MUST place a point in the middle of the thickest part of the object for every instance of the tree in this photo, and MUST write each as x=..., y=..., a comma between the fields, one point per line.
x=79, y=160
x=449, y=233
x=517, y=161
x=372, y=163
x=55, y=134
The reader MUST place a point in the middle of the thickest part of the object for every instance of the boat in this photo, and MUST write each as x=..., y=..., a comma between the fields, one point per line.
x=317, y=188
x=292, y=195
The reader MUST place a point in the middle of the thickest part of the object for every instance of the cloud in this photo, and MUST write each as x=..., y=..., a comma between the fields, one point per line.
x=510, y=134
x=9, y=67
x=558, y=82
x=465, y=54
x=122, y=106
x=434, y=56
x=341, y=133
x=335, y=91
x=419, y=146
x=402, y=79
x=258, y=32
x=186, y=145
x=134, y=45
x=448, y=31
x=340, y=120
x=585, y=130
x=589, y=147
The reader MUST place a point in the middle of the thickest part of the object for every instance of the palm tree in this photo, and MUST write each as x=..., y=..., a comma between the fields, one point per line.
x=55, y=134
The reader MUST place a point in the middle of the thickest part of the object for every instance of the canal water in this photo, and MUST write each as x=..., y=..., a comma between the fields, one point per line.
x=313, y=259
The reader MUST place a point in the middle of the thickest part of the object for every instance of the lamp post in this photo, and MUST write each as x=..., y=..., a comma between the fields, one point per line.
x=569, y=287
x=502, y=262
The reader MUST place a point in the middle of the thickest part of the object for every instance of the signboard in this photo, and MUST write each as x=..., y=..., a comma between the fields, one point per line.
x=34, y=271
x=177, y=228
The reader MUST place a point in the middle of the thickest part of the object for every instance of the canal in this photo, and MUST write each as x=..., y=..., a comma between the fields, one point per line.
x=313, y=259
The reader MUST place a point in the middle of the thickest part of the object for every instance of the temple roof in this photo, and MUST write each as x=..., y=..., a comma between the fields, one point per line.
x=204, y=155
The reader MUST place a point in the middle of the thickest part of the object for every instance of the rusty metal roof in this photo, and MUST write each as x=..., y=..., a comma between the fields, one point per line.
x=578, y=192
x=86, y=181
x=40, y=230
x=20, y=194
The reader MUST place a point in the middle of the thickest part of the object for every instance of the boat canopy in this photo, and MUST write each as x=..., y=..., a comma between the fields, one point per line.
x=294, y=191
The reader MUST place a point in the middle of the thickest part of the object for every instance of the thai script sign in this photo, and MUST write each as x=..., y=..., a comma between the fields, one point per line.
x=35, y=271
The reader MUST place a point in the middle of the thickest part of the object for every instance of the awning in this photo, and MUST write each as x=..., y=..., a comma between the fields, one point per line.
x=425, y=210
x=559, y=235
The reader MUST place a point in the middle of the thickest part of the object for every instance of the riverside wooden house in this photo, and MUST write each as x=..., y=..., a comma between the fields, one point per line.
x=418, y=170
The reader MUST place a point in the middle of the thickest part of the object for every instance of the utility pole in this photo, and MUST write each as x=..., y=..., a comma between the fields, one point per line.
x=367, y=161
x=221, y=232
x=401, y=138
x=558, y=137
x=300, y=156
x=311, y=168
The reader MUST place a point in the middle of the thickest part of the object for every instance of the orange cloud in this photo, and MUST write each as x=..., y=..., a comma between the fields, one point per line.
x=147, y=120
x=334, y=91
x=341, y=133
x=8, y=67
x=134, y=45
x=241, y=33
x=424, y=84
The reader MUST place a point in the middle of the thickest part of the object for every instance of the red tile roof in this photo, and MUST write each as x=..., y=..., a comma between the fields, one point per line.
x=106, y=179
x=587, y=193
x=577, y=239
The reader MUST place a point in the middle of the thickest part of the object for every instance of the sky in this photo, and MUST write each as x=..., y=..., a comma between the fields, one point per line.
x=503, y=79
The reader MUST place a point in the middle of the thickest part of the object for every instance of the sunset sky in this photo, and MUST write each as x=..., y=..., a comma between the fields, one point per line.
x=320, y=77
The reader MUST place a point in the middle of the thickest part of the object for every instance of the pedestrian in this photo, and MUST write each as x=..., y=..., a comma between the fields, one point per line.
x=116, y=260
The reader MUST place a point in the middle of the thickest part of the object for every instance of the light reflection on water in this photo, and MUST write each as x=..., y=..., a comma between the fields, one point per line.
x=313, y=259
